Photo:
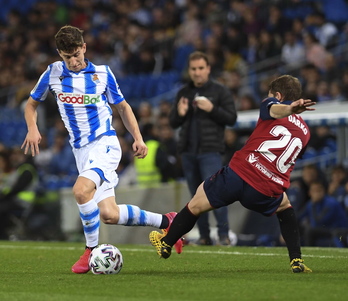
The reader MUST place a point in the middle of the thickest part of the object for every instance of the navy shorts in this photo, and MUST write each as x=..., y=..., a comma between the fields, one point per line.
x=225, y=187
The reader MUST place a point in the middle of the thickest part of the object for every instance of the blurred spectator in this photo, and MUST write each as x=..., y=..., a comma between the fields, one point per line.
x=337, y=182
x=234, y=40
x=332, y=70
x=62, y=163
x=147, y=62
x=216, y=56
x=293, y=51
x=323, y=92
x=162, y=120
x=263, y=87
x=5, y=167
x=19, y=191
x=235, y=13
x=147, y=172
x=233, y=61
x=145, y=115
x=43, y=159
x=250, y=53
x=269, y=47
x=213, y=12
x=126, y=160
x=167, y=159
x=336, y=91
x=324, y=220
x=164, y=108
x=190, y=26
x=56, y=128
x=298, y=28
x=325, y=31
x=276, y=23
x=298, y=191
x=232, y=144
x=246, y=102
x=233, y=80
x=251, y=24
x=139, y=13
x=310, y=77
x=315, y=52
x=321, y=137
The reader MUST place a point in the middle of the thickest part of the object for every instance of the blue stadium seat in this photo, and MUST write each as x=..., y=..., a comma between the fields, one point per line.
x=180, y=57
x=310, y=153
x=335, y=10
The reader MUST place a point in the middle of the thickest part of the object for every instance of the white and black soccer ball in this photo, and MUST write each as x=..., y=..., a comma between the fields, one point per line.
x=105, y=259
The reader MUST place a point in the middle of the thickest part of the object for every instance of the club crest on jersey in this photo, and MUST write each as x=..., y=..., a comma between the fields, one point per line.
x=95, y=78
x=79, y=99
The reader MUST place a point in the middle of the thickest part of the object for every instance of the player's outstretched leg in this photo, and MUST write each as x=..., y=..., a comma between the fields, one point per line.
x=163, y=250
x=179, y=244
x=297, y=266
x=81, y=266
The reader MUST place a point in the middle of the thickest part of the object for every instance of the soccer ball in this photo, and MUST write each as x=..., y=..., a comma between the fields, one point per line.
x=105, y=259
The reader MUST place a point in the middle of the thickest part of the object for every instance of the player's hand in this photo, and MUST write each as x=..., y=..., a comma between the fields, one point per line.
x=183, y=106
x=302, y=105
x=31, y=142
x=204, y=103
x=140, y=149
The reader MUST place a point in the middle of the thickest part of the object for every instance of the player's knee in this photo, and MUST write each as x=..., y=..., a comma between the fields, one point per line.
x=284, y=204
x=196, y=208
x=199, y=205
x=109, y=216
x=81, y=194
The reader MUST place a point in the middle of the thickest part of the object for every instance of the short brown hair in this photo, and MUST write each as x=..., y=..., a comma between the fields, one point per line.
x=69, y=38
x=197, y=55
x=288, y=86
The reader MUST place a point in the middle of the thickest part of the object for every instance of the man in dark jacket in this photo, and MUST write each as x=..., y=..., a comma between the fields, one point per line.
x=203, y=108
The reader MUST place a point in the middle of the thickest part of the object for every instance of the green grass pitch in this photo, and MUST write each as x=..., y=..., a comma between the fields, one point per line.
x=35, y=271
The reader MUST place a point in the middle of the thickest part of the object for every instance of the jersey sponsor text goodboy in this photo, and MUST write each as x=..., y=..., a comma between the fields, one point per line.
x=79, y=99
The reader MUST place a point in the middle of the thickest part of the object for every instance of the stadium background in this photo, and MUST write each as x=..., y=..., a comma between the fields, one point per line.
x=146, y=44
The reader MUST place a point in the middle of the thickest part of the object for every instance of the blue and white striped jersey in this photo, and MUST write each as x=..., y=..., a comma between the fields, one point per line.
x=83, y=99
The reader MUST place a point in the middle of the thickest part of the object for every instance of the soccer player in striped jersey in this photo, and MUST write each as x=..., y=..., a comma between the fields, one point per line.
x=257, y=175
x=84, y=93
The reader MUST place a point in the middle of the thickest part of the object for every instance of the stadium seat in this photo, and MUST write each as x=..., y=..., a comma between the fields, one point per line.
x=335, y=10
x=180, y=57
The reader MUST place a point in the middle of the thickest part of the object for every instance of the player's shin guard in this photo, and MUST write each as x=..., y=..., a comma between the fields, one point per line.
x=289, y=229
x=89, y=214
x=182, y=223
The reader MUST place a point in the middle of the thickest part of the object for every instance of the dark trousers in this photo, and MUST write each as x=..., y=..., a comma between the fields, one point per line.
x=196, y=169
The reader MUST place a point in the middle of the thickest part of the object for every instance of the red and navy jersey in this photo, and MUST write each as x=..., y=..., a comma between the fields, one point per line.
x=268, y=157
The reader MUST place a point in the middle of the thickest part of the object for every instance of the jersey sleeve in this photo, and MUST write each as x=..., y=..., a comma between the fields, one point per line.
x=39, y=92
x=113, y=91
x=265, y=107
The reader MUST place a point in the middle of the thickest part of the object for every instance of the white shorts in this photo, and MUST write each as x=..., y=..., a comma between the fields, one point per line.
x=102, y=156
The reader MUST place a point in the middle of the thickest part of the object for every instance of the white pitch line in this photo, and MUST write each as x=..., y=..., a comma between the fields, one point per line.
x=219, y=252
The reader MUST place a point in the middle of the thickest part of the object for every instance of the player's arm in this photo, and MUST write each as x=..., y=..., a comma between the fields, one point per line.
x=131, y=124
x=33, y=136
x=296, y=107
